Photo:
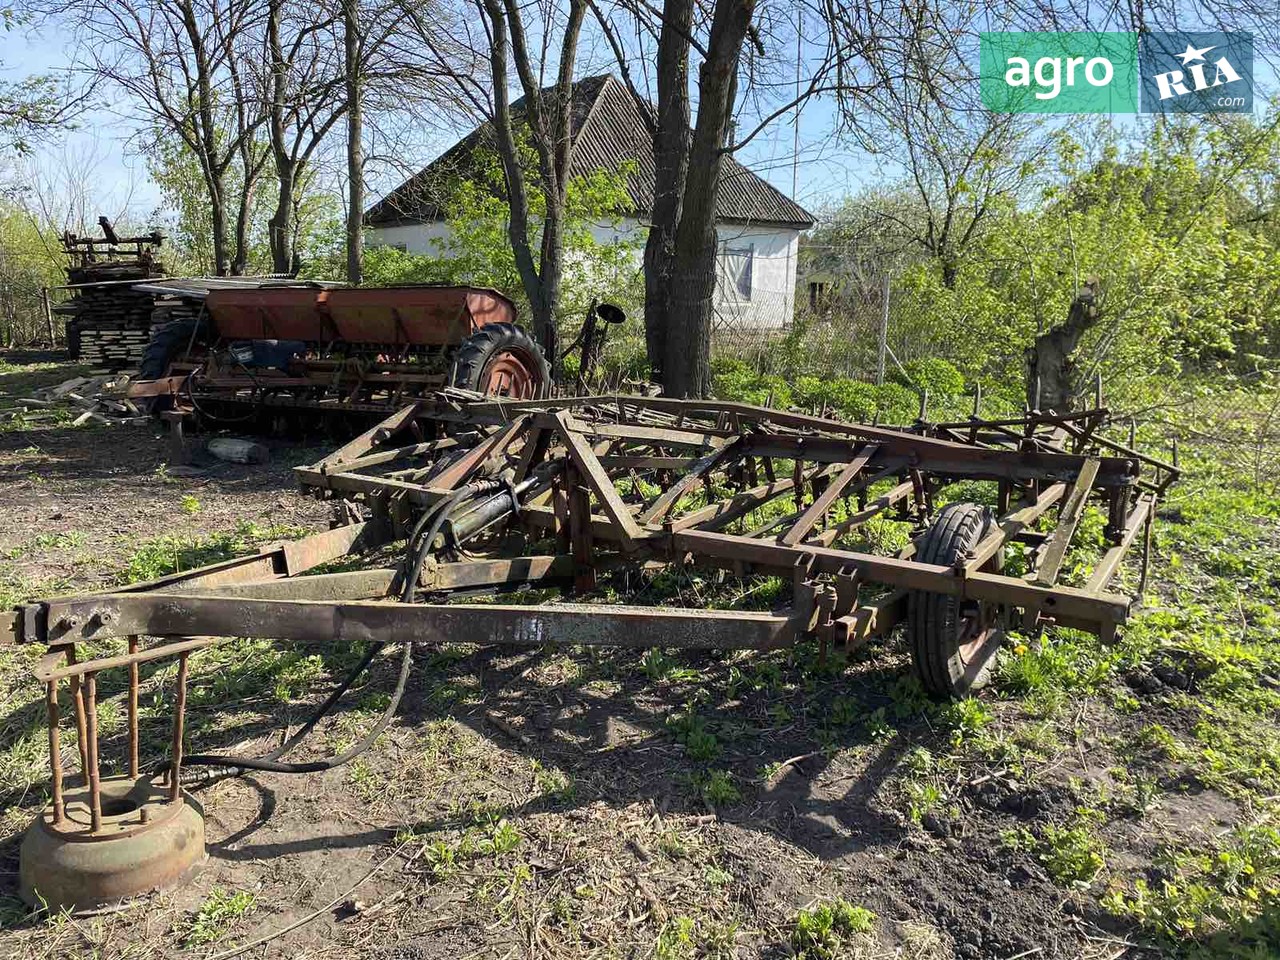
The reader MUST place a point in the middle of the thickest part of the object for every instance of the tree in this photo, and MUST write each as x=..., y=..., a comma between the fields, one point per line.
x=34, y=107
x=477, y=250
x=853, y=54
x=352, y=64
x=179, y=63
x=541, y=121
x=306, y=97
x=961, y=169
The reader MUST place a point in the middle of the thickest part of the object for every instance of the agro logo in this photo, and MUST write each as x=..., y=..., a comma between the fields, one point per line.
x=1196, y=72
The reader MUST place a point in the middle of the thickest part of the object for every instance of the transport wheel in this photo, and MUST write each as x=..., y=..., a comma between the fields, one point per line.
x=503, y=360
x=953, y=640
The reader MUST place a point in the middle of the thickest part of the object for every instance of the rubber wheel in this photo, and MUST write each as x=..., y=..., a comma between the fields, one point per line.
x=502, y=360
x=953, y=640
x=167, y=341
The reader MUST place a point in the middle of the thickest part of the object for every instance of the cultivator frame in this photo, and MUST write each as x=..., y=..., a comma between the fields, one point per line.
x=494, y=495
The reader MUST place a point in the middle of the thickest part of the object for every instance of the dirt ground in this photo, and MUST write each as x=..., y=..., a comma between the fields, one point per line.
x=574, y=803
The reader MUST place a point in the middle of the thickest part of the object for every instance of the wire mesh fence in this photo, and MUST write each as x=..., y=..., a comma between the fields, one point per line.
x=871, y=350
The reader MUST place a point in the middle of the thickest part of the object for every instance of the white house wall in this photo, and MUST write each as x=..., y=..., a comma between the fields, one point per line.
x=773, y=254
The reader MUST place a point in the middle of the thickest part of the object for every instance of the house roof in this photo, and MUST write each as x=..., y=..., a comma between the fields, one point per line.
x=609, y=130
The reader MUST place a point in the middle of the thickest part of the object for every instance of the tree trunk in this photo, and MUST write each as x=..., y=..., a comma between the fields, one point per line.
x=218, y=223
x=355, y=134
x=1051, y=370
x=279, y=232
x=671, y=163
x=240, y=259
x=687, y=366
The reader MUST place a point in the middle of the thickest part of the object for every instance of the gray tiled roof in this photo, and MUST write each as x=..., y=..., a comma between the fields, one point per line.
x=609, y=130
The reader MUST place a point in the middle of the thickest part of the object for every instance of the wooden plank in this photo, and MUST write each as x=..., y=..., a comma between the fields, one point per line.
x=829, y=496
x=1055, y=550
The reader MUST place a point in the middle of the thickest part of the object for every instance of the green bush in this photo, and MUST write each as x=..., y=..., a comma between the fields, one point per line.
x=740, y=383
x=940, y=377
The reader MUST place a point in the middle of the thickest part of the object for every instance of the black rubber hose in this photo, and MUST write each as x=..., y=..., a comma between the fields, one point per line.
x=316, y=766
x=271, y=763
x=324, y=708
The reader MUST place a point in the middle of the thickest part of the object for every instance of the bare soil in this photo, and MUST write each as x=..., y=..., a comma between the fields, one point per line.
x=539, y=803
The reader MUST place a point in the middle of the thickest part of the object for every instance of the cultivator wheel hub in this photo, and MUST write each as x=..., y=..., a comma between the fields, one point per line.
x=146, y=840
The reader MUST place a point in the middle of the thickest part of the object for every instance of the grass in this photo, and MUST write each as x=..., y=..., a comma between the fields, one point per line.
x=507, y=838
x=216, y=917
x=173, y=553
x=822, y=932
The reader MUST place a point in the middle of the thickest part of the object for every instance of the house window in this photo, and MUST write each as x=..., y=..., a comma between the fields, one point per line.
x=737, y=265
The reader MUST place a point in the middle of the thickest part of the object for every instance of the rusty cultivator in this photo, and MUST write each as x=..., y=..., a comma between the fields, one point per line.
x=478, y=496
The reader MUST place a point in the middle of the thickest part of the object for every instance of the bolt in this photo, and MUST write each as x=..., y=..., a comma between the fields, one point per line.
x=68, y=622
x=106, y=617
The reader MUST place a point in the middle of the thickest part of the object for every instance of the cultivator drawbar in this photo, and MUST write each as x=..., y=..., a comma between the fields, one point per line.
x=487, y=495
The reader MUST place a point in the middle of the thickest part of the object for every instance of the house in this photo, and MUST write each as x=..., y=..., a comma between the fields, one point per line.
x=758, y=226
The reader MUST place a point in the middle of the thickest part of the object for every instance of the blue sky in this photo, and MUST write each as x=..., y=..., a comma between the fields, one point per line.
x=117, y=176
x=117, y=182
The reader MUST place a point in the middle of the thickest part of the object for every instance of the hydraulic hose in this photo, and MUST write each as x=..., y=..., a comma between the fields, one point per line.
x=416, y=557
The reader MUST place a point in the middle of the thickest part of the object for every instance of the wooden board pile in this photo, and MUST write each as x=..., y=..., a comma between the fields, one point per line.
x=110, y=322
x=76, y=402
x=111, y=325
x=174, y=310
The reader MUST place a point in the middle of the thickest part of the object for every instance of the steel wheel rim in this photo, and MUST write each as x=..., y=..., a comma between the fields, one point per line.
x=508, y=374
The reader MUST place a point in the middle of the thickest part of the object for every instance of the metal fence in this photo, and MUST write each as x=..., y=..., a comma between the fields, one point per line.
x=878, y=331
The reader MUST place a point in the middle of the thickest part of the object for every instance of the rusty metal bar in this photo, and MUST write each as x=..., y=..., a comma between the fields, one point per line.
x=1055, y=550
x=133, y=707
x=1012, y=524
x=55, y=751
x=693, y=475
x=1106, y=569
x=82, y=723
x=309, y=621
x=95, y=787
x=179, y=712
x=77, y=670
x=823, y=501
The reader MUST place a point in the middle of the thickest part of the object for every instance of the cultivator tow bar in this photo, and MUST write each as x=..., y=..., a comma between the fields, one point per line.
x=497, y=495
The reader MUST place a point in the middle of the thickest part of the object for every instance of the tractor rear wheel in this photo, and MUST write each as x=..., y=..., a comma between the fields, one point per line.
x=953, y=640
x=502, y=360
x=167, y=342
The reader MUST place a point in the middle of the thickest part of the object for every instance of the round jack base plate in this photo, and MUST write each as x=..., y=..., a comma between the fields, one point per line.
x=145, y=843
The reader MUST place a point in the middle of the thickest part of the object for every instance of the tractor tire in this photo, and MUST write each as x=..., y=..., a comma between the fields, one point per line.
x=502, y=360
x=953, y=640
x=167, y=342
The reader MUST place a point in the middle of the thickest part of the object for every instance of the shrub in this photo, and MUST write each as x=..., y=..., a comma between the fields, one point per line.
x=938, y=376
